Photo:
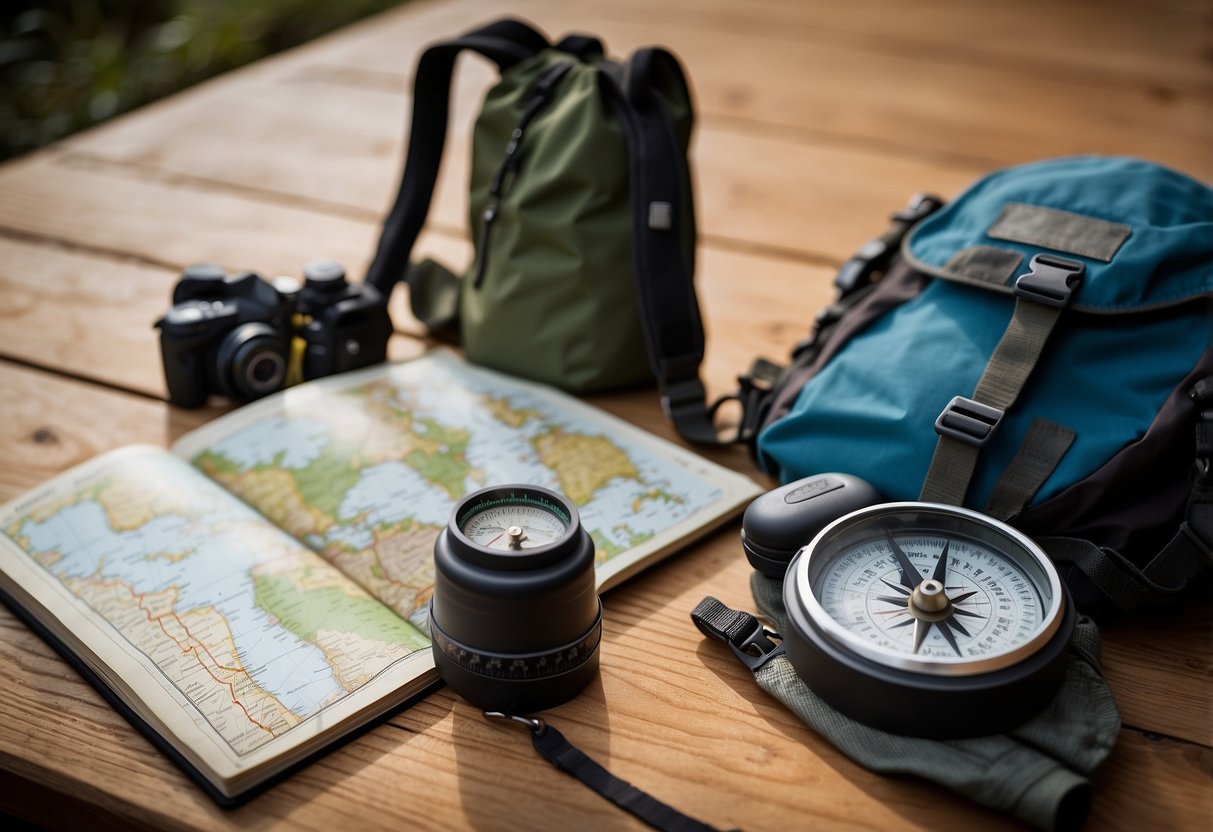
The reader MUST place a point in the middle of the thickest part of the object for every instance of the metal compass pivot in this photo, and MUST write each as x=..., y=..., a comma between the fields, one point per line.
x=928, y=620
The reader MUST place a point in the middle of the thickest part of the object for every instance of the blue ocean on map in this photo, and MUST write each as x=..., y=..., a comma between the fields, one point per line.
x=289, y=443
x=213, y=575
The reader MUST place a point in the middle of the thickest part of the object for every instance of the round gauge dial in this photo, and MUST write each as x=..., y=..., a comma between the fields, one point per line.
x=515, y=617
x=515, y=524
x=901, y=594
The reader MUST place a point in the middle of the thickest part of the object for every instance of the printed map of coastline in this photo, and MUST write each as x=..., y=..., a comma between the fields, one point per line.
x=369, y=475
x=254, y=631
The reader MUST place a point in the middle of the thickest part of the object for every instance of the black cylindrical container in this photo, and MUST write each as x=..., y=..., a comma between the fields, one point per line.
x=515, y=620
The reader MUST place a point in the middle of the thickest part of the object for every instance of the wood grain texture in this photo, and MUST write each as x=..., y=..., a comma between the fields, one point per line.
x=911, y=100
x=817, y=119
x=667, y=702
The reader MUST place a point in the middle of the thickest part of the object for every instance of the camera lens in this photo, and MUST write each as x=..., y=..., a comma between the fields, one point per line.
x=251, y=361
x=515, y=616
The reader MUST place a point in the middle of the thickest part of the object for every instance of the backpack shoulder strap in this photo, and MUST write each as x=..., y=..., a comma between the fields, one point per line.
x=506, y=43
x=1099, y=576
x=663, y=220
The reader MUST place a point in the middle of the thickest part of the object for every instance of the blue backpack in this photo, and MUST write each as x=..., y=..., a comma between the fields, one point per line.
x=1041, y=349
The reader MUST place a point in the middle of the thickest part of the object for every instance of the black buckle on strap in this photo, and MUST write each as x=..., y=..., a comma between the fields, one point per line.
x=918, y=208
x=680, y=395
x=750, y=642
x=969, y=421
x=1051, y=280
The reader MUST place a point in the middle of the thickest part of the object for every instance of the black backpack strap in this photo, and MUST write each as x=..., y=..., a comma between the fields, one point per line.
x=663, y=219
x=506, y=43
x=1098, y=575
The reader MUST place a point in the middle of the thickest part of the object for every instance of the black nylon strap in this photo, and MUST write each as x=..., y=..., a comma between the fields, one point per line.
x=558, y=751
x=662, y=216
x=1117, y=579
x=1105, y=574
x=506, y=43
x=750, y=642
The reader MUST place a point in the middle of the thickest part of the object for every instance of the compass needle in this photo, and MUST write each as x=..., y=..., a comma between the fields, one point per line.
x=896, y=587
x=901, y=602
x=968, y=613
x=948, y=637
x=921, y=628
x=961, y=598
x=956, y=625
x=910, y=576
x=941, y=564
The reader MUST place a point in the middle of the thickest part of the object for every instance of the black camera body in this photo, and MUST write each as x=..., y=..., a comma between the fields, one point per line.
x=346, y=325
x=233, y=334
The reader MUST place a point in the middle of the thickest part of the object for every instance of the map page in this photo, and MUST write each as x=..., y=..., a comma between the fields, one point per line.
x=365, y=469
x=226, y=634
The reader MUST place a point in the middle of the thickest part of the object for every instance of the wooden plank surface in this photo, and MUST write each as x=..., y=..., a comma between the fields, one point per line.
x=816, y=121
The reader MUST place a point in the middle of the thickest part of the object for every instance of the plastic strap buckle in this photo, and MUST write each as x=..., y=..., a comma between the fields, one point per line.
x=680, y=395
x=858, y=270
x=750, y=642
x=1051, y=280
x=919, y=207
x=969, y=421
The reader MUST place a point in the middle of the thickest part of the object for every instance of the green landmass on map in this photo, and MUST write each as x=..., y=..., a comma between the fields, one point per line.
x=304, y=611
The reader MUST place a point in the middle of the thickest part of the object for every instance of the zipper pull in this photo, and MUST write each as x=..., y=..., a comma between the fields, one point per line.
x=490, y=215
x=509, y=164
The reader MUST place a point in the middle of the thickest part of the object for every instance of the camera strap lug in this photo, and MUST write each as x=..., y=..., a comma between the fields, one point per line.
x=562, y=754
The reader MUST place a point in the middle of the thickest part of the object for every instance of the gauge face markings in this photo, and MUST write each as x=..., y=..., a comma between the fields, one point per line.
x=513, y=526
x=993, y=605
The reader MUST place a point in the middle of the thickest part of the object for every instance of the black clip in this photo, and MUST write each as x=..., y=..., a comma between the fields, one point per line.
x=919, y=207
x=750, y=642
x=688, y=392
x=1051, y=280
x=969, y=421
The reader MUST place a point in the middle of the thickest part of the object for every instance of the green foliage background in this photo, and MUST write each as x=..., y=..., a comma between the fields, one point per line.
x=67, y=64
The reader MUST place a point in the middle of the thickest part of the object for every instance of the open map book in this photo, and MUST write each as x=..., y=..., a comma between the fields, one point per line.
x=261, y=591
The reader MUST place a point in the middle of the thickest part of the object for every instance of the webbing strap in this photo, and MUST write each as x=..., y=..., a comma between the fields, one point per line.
x=558, y=751
x=750, y=642
x=1041, y=450
x=506, y=43
x=1118, y=580
x=663, y=220
x=966, y=425
x=1186, y=556
x=562, y=754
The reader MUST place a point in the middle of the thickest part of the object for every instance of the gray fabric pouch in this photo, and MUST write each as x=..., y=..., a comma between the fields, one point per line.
x=1040, y=772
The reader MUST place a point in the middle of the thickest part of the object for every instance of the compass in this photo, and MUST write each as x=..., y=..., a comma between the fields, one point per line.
x=927, y=620
x=515, y=617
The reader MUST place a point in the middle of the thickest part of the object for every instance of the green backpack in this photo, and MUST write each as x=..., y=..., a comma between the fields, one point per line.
x=581, y=216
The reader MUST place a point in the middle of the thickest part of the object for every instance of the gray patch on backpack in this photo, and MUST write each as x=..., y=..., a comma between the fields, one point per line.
x=1060, y=231
x=986, y=264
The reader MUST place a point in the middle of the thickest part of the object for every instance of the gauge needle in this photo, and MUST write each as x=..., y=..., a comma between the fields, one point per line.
x=948, y=637
x=941, y=564
x=909, y=575
x=896, y=587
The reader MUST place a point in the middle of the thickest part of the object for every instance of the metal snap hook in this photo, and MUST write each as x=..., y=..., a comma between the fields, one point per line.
x=534, y=723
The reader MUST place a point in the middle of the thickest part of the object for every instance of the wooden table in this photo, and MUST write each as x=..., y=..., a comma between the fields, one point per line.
x=817, y=120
